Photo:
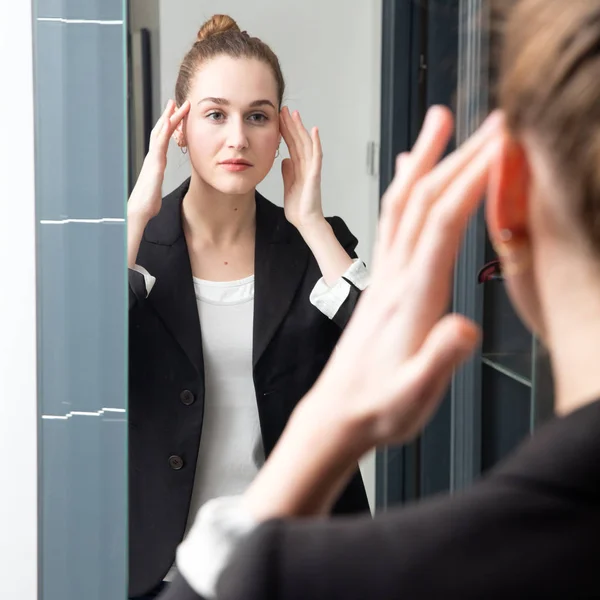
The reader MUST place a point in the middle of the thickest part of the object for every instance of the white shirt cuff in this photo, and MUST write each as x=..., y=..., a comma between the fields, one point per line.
x=219, y=527
x=149, y=280
x=329, y=299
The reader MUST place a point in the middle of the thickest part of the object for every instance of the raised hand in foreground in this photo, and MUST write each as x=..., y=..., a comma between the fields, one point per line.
x=398, y=353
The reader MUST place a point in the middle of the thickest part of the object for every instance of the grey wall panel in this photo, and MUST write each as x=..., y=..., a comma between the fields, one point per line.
x=80, y=204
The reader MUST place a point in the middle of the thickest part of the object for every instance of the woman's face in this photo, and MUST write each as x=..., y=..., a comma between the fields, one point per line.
x=232, y=129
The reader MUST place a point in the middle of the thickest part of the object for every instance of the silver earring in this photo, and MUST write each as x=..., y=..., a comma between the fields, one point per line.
x=183, y=149
x=277, y=153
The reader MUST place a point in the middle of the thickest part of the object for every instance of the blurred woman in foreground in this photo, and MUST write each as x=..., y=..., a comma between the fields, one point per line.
x=530, y=528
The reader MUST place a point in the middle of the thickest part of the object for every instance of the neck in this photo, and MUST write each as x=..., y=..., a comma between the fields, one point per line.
x=572, y=318
x=211, y=217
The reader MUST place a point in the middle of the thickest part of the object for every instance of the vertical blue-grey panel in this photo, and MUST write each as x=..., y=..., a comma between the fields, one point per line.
x=80, y=186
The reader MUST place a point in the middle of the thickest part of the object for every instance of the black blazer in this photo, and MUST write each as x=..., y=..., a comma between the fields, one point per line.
x=292, y=342
x=529, y=530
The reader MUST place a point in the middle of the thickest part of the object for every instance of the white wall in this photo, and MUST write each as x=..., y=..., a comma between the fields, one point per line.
x=18, y=371
x=329, y=52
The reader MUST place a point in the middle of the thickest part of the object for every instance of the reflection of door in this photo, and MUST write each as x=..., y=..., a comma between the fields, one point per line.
x=419, y=69
x=505, y=391
x=139, y=97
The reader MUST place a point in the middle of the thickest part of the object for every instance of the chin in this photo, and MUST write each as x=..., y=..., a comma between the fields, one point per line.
x=235, y=184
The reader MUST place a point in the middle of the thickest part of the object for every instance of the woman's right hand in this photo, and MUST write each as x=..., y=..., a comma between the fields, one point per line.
x=146, y=198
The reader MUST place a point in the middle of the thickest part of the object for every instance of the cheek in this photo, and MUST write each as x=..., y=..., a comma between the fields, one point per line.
x=267, y=141
x=202, y=138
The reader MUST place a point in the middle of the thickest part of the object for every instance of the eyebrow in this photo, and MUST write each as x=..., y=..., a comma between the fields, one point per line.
x=225, y=102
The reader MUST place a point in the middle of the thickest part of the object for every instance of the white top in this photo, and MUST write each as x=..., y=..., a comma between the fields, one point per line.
x=231, y=451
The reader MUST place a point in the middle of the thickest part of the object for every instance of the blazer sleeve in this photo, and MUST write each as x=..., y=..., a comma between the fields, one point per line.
x=140, y=285
x=496, y=541
x=179, y=589
x=339, y=301
x=529, y=529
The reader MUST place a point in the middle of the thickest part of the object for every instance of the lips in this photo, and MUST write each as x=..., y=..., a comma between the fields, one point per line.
x=235, y=165
x=236, y=161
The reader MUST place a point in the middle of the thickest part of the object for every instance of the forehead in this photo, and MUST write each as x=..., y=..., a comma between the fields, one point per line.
x=239, y=80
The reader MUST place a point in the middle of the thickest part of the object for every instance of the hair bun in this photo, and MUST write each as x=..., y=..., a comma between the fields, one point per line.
x=215, y=25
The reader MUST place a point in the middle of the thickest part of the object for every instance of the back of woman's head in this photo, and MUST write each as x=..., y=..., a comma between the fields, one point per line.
x=549, y=85
x=221, y=36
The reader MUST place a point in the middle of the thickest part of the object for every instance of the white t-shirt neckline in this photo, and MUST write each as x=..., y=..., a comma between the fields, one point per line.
x=224, y=292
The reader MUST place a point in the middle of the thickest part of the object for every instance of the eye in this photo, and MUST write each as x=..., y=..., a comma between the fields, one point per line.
x=258, y=118
x=216, y=116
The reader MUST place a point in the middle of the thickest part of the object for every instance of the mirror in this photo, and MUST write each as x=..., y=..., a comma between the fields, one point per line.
x=239, y=287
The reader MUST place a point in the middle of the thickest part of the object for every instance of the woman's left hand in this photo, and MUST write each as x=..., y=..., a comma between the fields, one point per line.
x=301, y=172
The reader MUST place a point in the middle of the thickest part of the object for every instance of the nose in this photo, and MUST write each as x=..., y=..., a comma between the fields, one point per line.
x=236, y=134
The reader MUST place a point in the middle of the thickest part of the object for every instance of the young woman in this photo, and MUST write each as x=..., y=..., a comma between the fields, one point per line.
x=530, y=528
x=235, y=304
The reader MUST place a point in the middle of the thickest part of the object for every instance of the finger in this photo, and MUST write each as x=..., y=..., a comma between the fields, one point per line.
x=430, y=145
x=303, y=134
x=431, y=267
x=174, y=120
x=287, y=173
x=287, y=136
x=179, y=114
x=432, y=140
x=168, y=107
x=168, y=110
x=391, y=209
x=436, y=250
x=420, y=382
x=450, y=343
x=317, y=152
x=293, y=128
x=431, y=187
x=157, y=127
x=161, y=120
x=166, y=129
x=160, y=143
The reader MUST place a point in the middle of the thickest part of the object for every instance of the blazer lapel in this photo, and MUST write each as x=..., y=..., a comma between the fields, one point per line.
x=173, y=295
x=280, y=260
x=281, y=257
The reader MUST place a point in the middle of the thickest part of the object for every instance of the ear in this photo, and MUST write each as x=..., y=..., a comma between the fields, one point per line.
x=508, y=194
x=179, y=135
